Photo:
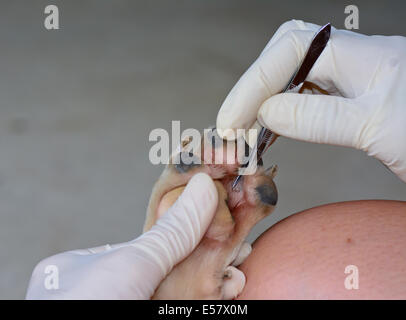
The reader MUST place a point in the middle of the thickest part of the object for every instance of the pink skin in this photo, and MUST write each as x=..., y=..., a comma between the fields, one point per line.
x=304, y=256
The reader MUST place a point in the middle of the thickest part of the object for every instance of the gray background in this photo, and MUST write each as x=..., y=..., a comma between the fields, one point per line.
x=77, y=106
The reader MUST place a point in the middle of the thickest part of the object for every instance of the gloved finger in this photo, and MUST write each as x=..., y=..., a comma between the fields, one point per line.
x=190, y=216
x=316, y=118
x=251, y=135
x=268, y=76
x=94, y=250
x=181, y=228
x=289, y=26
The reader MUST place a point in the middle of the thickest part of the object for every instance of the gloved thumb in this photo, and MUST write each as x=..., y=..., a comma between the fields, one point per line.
x=177, y=232
x=182, y=227
x=316, y=118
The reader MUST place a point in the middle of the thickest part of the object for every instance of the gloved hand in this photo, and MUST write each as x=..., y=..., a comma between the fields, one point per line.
x=132, y=270
x=364, y=75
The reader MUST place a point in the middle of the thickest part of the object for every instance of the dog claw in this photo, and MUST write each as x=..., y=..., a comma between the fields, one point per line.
x=271, y=171
x=243, y=254
x=233, y=285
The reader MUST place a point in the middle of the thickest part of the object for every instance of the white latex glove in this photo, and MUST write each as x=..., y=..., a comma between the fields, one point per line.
x=365, y=75
x=132, y=270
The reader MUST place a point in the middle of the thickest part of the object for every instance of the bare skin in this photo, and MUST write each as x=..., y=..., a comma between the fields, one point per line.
x=305, y=255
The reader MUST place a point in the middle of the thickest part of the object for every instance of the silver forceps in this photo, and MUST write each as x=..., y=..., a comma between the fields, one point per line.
x=266, y=137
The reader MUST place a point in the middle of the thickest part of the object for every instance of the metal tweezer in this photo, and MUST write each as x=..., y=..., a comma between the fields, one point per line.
x=266, y=137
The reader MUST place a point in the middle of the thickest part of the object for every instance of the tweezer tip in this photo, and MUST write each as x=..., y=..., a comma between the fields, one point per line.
x=235, y=182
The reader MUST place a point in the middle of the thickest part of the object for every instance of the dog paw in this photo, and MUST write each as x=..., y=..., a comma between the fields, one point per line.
x=210, y=272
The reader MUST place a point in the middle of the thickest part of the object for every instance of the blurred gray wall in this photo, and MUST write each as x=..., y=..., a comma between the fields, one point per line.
x=77, y=106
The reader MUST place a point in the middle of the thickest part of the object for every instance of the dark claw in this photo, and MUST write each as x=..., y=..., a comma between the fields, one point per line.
x=268, y=194
x=215, y=139
x=183, y=167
